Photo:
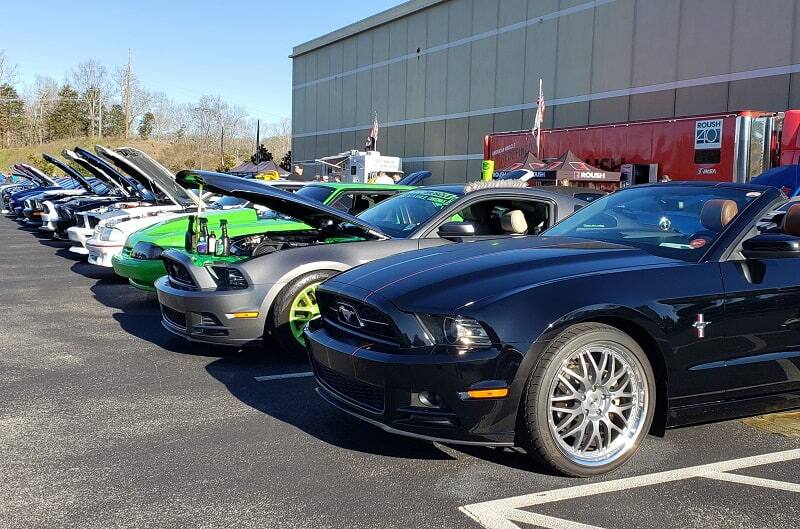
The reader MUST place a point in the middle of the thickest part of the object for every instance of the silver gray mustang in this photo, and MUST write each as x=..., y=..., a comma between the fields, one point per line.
x=269, y=288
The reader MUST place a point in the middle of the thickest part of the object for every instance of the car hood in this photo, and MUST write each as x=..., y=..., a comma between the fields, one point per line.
x=69, y=171
x=140, y=166
x=35, y=174
x=444, y=278
x=104, y=171
x=298, y=207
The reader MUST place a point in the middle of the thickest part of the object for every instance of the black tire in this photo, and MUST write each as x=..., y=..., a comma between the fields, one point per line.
x=278, y=325
x=534, y=430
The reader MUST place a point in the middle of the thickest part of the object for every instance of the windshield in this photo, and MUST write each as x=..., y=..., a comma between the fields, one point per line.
x=400, y=215
x=678, y=222
x=318, y=193
x=229, y=202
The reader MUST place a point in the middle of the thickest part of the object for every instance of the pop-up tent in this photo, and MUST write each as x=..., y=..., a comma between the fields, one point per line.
x=572, y=169
x=785, y=177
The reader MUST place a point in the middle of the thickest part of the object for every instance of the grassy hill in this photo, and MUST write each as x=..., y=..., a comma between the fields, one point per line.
x=174, y=155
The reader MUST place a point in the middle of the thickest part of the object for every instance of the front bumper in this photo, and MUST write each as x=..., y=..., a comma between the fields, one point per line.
x=380, y=387
x=79, y=236
x=101, y=252
x=201, y=315
x=140, y=273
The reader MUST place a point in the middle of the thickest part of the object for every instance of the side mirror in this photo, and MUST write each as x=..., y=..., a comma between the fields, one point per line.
x=457, y=230
x=771, y=246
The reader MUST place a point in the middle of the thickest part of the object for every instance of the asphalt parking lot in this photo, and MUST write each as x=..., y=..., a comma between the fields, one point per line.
x=106, y=420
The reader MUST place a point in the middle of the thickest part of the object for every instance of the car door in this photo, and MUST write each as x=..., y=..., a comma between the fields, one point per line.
x=762, y=325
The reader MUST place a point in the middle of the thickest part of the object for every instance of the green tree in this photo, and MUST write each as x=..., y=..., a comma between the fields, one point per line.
x=67, y=119
x=146, y=125
x=286, y=161
x=40, y=163
x=12, y=113
x=114, y=122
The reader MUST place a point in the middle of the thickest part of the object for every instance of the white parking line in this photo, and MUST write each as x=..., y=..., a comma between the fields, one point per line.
x=284, y=376
x=502, y=513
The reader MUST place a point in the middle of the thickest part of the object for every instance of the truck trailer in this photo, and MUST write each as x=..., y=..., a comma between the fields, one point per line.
x=726, y=147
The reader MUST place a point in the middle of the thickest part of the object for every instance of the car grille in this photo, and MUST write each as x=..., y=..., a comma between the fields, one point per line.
x=179, y=276
x=367, y=395
x=371, y=322
x=175, y=317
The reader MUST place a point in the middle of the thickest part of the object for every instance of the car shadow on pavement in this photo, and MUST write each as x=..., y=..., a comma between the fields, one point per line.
x=294, y=401
x=95, y=272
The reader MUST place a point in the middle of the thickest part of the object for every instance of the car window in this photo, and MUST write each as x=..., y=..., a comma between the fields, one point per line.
x=402, y=214
x=674, y=222
x=318, y=193
x=359, y=201
x=488, y=217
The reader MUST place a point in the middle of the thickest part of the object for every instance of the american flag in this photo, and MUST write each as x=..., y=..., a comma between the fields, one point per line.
x=537, y=121
x=373, y=133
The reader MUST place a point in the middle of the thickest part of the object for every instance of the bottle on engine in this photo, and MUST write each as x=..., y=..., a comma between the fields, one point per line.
x=225, y=241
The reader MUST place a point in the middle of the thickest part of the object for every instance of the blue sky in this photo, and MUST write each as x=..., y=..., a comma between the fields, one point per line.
x=236, y=49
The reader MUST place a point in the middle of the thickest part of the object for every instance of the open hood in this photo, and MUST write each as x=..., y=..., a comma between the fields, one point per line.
x=36, y=174
x=103, y=170
x=72, y=173
x=139, y=165
x=298, y=207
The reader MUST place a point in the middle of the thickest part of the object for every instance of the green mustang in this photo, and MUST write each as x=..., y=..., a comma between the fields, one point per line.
x=140, y=261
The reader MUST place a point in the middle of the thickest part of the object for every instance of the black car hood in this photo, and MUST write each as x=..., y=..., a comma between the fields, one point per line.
x=444, y=278
x=103, y=170
x=72, y=173
x=35, y=175
x=298, y=207
x=144, y=169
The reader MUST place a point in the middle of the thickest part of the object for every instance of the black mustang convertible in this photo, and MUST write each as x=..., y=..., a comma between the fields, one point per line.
x=654, y=307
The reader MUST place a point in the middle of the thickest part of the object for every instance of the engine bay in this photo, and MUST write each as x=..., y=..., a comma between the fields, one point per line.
x=266, y=243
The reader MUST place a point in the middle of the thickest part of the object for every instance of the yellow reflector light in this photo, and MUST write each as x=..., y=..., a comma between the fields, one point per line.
x=245, y=315
x=488, y=393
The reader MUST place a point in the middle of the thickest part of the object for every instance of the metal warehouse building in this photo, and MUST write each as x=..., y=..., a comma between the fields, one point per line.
x=443, y=73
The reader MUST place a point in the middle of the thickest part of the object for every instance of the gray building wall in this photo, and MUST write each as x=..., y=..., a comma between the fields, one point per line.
x=441, y=74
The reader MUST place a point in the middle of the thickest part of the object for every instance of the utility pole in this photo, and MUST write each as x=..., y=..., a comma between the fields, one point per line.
x=127, y=95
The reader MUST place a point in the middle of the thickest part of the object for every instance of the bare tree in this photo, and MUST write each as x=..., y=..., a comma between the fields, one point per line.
x=8, y=70
x=40, y=100
x=135, y=99
x=90, y=78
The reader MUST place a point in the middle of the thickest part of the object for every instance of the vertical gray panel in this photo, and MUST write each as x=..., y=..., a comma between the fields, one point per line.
x=323, y=146
x=474, y=168
x=455, y=171
x=764, y=93
x=613, y=45
x=415, y=74
x=701, y=99
x=653, y=105
x=794, y=93
x=436, y=83
x=609, y=110
x=298, y=70
x=415, y=140
x=323, y=89
x=380, y=93
x=437, y=18
x=760, y=34
x=456, y=133
x=510, y=77
x=398, y=38
x=574, y=53
x=349, y=101
x=540, y=52
x=655, y=48
x=397, y=91
x=460, y=19
x=483, y=59
x=349, y=54
x=364, y=103
x=349, y=141
x=298, y=119
x=395, y=141
x=796, y=35
x=434, y=138
x=335, y=143
x=411, y=167
x=364, y=48
x=335, y=86
x=437, y=170
x=705, y=38
x=505, y=121
x=479, y=127
x=572, y=115
x=297, y=149
x=311, y=108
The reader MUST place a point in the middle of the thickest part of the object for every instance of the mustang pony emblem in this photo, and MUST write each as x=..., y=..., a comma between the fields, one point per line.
x=348, y=315
x=700, y=324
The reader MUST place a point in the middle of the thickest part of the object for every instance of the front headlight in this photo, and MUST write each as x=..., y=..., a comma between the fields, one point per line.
x=112, y=235
x=228, y=278
x=456, y=331
x=146, y=251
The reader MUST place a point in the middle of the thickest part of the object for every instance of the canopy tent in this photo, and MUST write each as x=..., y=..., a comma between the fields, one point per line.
x=529, y=163
x=786, y=177
x=248, y=168
x=572, y=169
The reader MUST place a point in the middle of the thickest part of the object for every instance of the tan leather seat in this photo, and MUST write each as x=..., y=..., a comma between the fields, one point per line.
x=513, y=222
x=718, y=213
x=791, y=222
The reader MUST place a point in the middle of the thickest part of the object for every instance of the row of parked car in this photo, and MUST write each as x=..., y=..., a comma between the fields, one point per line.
x=555, y=319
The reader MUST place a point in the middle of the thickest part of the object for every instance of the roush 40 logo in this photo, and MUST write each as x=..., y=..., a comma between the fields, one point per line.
x=708, y=134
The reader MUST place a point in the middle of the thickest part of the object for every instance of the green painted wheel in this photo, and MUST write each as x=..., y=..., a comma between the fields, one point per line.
x=304, y=308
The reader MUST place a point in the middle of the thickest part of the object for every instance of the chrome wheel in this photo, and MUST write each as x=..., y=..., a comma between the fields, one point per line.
x=598, y=402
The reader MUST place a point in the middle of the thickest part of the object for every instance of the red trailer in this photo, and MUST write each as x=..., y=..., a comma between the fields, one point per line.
x=730, y=147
